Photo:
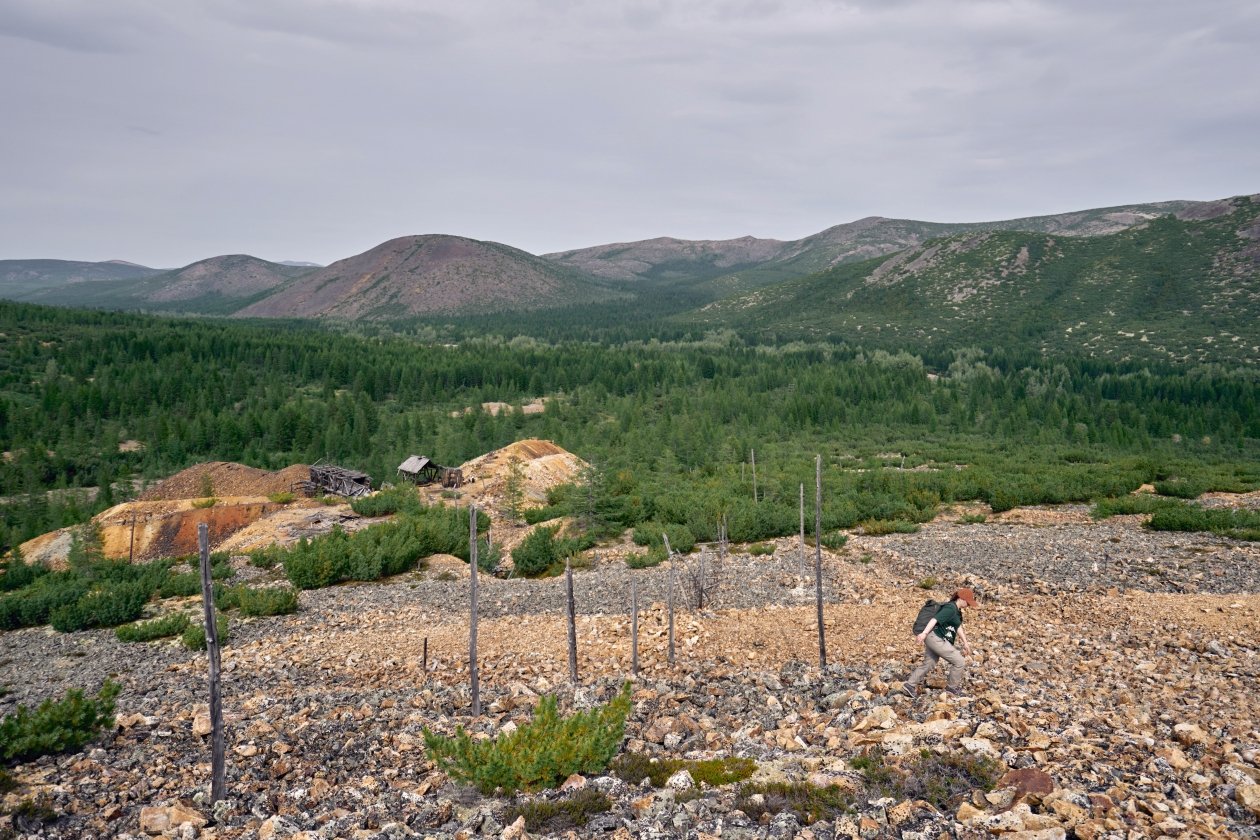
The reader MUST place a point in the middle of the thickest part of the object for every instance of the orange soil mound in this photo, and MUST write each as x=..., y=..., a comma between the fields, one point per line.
x=224, y=478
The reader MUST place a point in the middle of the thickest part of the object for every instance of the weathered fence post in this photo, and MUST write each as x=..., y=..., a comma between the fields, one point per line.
x=818, y=596
x=424, y=659
x=568, y=586
x=634, y=628
x=472, y=610
x=802, y=572
x=131, y=552
x=218, y=772
x=669, y=556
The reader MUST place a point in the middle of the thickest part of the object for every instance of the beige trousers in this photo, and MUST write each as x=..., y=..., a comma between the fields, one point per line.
x=935, y=648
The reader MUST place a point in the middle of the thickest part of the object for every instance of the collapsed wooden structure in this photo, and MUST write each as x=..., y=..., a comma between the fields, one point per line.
x=420, y=470
x=326, y=478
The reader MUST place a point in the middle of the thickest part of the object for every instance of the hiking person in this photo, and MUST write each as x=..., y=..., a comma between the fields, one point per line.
x=938, y=639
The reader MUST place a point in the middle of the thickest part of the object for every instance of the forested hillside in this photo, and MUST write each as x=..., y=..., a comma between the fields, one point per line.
x=1174, y=289
x=89, y=399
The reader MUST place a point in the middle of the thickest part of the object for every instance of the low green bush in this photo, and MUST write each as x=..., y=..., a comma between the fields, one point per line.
x=943, y=779
x=208, y=502
x=194, y=637
x=810, y=803
x=180, y=585
x=649, y=534
x=538, y=755
x=715, y=772
x=32, y=605
x=400, y=498
x=18, y=573
x=537, y=553
x=1238, y=524
x=271, y=600
x=1132, y=504
x=973, y=519
x=282, y=498
x=1182, y=488
x=105, y=607
x=875, y=527
x=654, y=556
x=835, y=540
x=555, y=817
x=159, y=628
x=761, y=550
x=57, y=726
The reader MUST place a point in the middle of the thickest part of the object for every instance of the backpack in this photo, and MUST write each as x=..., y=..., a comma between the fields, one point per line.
x=927, y=612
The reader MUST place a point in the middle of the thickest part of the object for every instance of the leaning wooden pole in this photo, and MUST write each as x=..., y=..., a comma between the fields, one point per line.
x=218, y=770
x=568, y=592
x=818, y=595
x=669, y=556
x=634, y=628
x=802, y=570
x=472, y=610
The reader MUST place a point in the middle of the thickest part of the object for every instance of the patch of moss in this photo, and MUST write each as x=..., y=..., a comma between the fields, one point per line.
x=552, y=817
x=810, y=803
x=714, y=772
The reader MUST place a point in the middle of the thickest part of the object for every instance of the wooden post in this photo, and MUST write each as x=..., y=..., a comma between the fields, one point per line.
x=131, y=552
x=568, y=586
x=669, y=556
x=218, y=772
x=754, y=472
x=634, y=628
x=802, y=533
x=818, y=596
x=472, y=610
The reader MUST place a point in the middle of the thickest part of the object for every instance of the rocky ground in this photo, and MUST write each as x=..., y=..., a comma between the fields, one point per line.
x=1120, y=663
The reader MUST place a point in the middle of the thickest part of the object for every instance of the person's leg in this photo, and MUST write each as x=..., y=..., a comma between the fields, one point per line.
x=929, y=662
x=957, y=665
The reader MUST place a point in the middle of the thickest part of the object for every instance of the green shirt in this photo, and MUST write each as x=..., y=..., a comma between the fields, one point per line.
x=948, y=620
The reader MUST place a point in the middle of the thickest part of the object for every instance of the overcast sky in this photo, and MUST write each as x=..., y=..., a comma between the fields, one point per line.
x=167, y=131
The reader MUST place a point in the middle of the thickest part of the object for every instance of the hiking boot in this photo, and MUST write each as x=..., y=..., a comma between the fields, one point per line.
x=910, y=691
x=957, y=692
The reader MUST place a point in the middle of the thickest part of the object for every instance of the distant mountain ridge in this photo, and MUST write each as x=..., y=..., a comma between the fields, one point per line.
x=439, y=275
x=1183, y=287
x=736, y=264
x=432, y=274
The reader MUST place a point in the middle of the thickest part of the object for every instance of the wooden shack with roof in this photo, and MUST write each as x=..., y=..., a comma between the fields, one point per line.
x=420, y=470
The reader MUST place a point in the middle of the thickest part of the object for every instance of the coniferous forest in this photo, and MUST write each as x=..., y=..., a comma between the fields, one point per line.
x=668, y=418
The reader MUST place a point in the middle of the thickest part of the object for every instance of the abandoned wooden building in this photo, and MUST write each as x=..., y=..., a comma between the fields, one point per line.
x=420, y=470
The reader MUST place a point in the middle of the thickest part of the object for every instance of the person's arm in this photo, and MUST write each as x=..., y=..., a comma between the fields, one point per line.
x=962, y=637
x=923, y=636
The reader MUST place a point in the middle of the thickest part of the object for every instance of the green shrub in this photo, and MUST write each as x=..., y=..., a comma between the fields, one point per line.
x=1132, y=504
x=810, y=803
x=537, y=552
x=1238, y=524
x=973, y=519
x=941, y=779
x=106, y=607
x=761, y=549
x=715, y=772
x=158, y=628
x=56, y=727
x=548, y=817
x=835, y=540
x=944, y=780
x=654, y=556
x=267, y=557
x=205, y=503
x=18, y=573
x=1182, y=488
x=539, y=754
x=282, y=498
x=681, y=539
x=876, y=527
x=32, y=605
x=400, y=498
x=928, y=583
x=271, y=600
x=194, y=638
x=180, y=585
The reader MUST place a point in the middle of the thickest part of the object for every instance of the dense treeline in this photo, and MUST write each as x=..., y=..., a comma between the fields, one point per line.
x=670, y=424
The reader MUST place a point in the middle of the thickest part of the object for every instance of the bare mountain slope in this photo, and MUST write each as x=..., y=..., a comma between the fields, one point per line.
x=418, y=275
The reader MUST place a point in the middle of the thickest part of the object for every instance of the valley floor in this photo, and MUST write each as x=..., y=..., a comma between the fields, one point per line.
x=1122, y=663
